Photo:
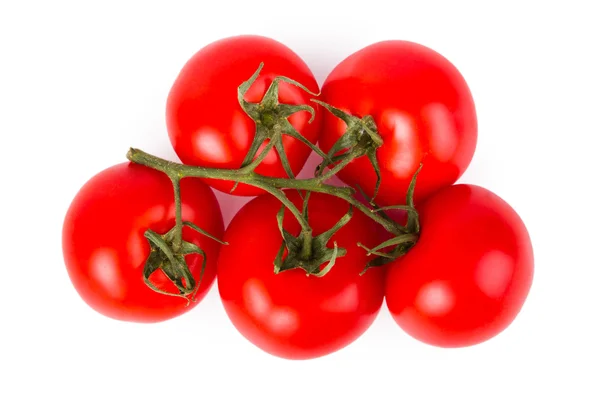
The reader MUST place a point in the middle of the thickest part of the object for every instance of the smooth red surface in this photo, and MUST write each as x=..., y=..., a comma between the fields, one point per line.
x=469, y=274
x=423, y=109
x=292, y=315
x=206, y=124
x=104, y=246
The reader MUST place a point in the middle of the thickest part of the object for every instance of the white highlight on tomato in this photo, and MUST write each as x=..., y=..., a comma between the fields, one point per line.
x=443, y=137
x=211, y=146
x=345, y=301
x=403, y=143
x=104, y=269
x=238, y=124
x=281, y=320
x=258, y=302
x=493, y=273
x=435, y=298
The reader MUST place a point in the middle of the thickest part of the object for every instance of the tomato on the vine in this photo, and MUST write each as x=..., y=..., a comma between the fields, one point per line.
x=422, y=107
x=208, y=127
x=105, y=249
x=291, y=314
x=469, y=274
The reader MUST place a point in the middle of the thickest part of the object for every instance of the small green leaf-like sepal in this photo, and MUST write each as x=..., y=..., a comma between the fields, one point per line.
x=372, y=155
x=360, y=138
x=172, y=263
x=331, y=263
x=320, y=254
x=202, y=231
x=271, y=119
x=162, y=257
x=289, y=239
x=413, y=217
x=285, y=163
x=402, y=243
x=325, y=237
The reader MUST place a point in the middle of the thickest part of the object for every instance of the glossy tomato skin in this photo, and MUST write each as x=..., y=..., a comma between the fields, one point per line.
x=104, y=246
x=469, y=274
x=292, y=315
x=423, y=109
x=206, y=124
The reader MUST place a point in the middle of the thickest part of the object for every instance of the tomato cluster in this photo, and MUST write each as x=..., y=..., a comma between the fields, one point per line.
x=145, y=243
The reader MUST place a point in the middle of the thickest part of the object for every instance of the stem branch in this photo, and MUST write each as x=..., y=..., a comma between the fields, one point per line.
x=269, y=184
x=178, y=222
x=339, y=166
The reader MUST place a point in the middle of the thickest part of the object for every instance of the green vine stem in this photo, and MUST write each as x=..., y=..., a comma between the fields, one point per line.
x=304, y=251
x=178, y=221
x=266, y=183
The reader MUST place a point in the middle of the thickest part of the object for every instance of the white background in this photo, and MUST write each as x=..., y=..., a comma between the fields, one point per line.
x=80, y=82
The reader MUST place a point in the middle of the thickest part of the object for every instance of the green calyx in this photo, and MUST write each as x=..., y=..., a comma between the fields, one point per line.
x=306, y=251
x=360, y=139
x=271, y=119
x=399, y=245
x=169, y=256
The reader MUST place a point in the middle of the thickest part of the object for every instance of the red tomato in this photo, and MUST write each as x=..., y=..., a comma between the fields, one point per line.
x=208, y=127
x=105, y=249
x=423, y=110
x=290, y=314
x=469, y=274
